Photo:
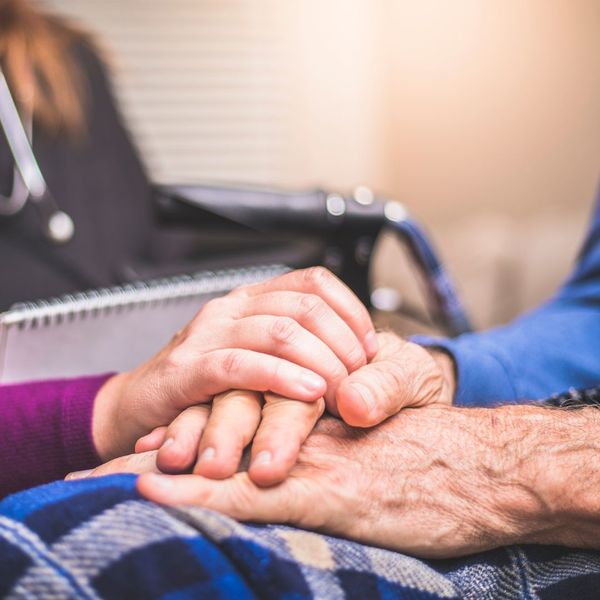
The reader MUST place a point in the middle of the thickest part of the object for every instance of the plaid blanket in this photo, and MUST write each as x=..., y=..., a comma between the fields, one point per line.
x=97, y=538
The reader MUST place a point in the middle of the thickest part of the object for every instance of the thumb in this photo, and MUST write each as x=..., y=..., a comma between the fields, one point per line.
x=237, y=497
x=401, y=375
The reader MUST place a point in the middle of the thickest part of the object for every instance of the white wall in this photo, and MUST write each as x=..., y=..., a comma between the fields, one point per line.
x=484, y=117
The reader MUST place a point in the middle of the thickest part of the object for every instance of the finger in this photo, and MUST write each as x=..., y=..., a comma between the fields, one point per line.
x=316, y=316
x=283, y=337
x=179, y=450
x=78, y=474
x=144, y=462
x=284, y=427
x=152, y=441
x=323, y=283
x=221, y=370
x=233, y=420
x=238, y=497
x=401, y=375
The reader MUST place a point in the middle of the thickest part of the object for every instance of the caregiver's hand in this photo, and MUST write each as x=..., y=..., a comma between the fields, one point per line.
x=435, y=481
x=298, y=335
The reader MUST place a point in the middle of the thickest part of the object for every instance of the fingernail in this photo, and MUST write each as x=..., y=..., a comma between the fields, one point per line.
x=262, y=458
x=371, y=343
x=208, y=454
x=312, y=382
x=78, y=474
x=366, y=395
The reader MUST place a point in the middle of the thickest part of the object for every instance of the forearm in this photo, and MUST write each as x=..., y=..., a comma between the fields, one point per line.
x=545, y=481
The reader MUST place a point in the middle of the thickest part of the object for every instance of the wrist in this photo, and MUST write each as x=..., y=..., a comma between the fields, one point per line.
x=108, y=433
x=447, y=367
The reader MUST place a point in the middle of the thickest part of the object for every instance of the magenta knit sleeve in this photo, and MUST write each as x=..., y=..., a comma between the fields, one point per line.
x=46, y=430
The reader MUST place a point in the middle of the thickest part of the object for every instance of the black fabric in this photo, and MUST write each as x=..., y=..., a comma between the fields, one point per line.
x=576, y=398
x=100, y=182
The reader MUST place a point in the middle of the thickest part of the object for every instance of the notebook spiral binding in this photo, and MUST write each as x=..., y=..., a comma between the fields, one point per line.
x=44, y=313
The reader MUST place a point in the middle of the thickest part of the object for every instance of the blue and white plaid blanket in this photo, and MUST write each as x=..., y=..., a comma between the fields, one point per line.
x=97, y=538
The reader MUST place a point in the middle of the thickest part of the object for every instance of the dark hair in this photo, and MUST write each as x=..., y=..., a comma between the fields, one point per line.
x=35, y=54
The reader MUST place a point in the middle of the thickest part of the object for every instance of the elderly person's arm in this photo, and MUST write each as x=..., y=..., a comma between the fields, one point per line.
x=541, y=353
x=435, y=481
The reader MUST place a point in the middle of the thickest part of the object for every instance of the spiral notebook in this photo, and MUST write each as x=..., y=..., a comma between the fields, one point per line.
x=111, y=329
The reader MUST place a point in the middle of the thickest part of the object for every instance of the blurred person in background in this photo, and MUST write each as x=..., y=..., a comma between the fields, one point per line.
x=60, y=86
x=439, y=481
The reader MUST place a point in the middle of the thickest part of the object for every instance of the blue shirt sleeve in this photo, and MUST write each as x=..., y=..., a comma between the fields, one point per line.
x=545, y=351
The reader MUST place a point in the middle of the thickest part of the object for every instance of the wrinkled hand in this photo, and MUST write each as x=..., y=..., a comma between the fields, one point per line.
x=401, y=375
x=298, y=335
x=432, y=482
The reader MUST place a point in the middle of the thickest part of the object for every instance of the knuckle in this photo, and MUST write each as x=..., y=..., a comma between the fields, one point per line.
x=318, y=277
x=243, y=291
x=232, y=362
x=393, y=388
x=242, y=494
x=212, y=306
x=338, y=372
x=177, y=360
x=356, y=358
x=310, y=306
x=284, y=330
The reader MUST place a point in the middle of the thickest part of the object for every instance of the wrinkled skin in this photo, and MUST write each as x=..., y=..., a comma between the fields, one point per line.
x=434, y=482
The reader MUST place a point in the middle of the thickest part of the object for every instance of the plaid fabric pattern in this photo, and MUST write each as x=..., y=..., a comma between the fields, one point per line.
x=98, y=539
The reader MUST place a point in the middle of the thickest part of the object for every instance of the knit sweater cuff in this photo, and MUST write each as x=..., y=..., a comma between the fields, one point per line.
x=46, y=430
x=77, y=407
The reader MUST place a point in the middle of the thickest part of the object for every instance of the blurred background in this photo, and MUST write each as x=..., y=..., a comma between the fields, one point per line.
x=483, y=116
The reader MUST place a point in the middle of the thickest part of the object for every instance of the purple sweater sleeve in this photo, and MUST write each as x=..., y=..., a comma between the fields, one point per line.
x=46, y=430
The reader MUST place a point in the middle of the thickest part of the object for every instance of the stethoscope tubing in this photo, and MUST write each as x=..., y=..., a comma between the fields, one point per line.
x=57, y=225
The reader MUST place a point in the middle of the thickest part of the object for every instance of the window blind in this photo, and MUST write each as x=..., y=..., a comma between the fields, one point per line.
x=202, y=83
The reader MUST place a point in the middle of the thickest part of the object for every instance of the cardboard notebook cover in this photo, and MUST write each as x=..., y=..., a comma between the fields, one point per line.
x=107, y=330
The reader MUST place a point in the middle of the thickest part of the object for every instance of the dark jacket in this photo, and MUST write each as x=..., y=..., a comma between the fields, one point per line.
x=100, y=182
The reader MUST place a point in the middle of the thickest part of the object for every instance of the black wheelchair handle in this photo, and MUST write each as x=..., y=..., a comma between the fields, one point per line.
x=349, y=225
x=269, y=210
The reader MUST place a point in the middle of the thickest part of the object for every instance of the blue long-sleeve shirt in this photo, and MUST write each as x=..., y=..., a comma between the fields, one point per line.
x=545, y=351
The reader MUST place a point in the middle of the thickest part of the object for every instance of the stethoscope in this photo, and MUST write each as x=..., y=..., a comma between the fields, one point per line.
x=28, y=181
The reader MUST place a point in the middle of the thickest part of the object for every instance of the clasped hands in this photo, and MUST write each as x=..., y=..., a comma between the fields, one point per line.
x=393, y=464
x=260, y=366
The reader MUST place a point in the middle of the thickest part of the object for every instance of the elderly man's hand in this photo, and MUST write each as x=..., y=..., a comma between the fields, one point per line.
x=410, y=484
x=434, y=482
x=401, y=375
